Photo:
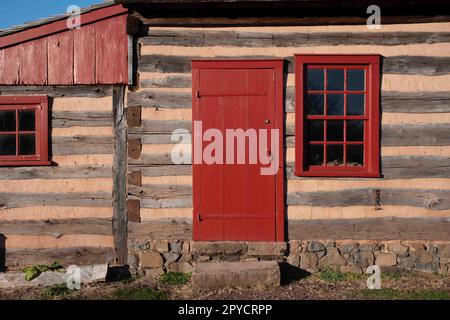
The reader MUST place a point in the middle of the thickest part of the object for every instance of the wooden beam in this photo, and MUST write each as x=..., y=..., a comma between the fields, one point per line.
x=119, y=176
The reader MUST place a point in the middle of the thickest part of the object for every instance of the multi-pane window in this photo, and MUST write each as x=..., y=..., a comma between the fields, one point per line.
x=23, y=131
x=337, y=122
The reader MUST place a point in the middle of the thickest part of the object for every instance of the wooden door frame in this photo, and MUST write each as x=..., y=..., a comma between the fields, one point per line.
x=277, y=65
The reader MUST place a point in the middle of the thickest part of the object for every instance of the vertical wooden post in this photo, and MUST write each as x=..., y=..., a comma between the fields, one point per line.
x=119, y=176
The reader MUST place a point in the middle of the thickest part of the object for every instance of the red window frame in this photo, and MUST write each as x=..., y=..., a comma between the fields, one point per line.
x=40, y=105
x=371, y=117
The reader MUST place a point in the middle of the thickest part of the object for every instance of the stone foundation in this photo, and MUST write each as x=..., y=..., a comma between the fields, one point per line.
x=158, y=256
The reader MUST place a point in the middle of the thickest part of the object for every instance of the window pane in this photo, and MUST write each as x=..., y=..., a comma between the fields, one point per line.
x=316, y=155
x=355, y=104
x=355, y=155
x=315, y=79
x=355, y=130
x=335, y=79
x=335, y=104
x=26, y=120
x=315, y=104
x=355, y=79
x=335, y=155
x=8, y=120
x=27, y=144
x=335, y=130
x=7, y=144
x=316, y=130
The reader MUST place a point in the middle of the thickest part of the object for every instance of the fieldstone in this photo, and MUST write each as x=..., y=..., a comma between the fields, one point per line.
x=218, y=247
x=293, y=260
x=398, y=248
x=160, y=246
x=432, y=249
x=170, y=257
x=308, y=262
x=267, y=248
x=295, y=246
x=314, y=246
x=423, y=257
x=365, y=259
x=444, y=251
x=330, y=244
x=154, y=272
x=151, y=260
x=236, y=274
x=443, y=269
x=332, y=259
x=133, y=260
x=186, y=247
x=249, y=259
x=406, y=262
x=349, y=248
x=320, y=254
x=183, y=267
x=187, y=257
x=369, y=247
x=425, y=267
x=176, y=247
x=203, y=258
x=385, y=259
x=415, y=246
x=138, y=245
x=351, y=269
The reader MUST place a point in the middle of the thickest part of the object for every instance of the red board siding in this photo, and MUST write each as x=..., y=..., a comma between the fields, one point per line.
x=60, y=58
x=111, y=51
x=33, y=62
x=84, y=55
x=96, y=53
x=9, y=65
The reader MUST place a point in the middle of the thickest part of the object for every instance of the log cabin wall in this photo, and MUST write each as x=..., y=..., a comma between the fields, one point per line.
x=414, y=195
x=63, y=212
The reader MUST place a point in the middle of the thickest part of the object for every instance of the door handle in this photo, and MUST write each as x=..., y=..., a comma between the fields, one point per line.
x=267, y=121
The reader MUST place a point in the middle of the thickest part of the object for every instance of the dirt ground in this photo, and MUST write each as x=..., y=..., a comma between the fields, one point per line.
x=327, y=285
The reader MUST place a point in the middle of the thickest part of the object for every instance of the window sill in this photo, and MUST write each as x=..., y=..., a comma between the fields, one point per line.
x=24, y=163
x=342, y=174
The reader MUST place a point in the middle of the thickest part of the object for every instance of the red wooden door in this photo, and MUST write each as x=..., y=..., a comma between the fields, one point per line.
x=232, y=199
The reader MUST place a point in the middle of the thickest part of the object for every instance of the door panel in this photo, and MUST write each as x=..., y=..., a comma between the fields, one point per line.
x=234, y=201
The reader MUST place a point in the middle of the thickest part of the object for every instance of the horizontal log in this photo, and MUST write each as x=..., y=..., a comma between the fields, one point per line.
x=82, y=145
x=149, y=98
x=422, y=65
x=158, y=138
x=65, y=119
x=95, y=91
x=57, y=228
x=182, y=202
x=160, y=191
x=431, y=199
x=284, y=20
x=66, y=256
x=390, y=228
x=161, y=126
x=55, y=172
x=401, y=167
x=163, y=170
x=196, y=38
x=178, y=81
x=16, y=200
x=161, y=229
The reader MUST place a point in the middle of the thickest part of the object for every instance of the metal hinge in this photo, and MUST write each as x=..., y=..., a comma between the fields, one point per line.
x=200, y=217
x=197, y=94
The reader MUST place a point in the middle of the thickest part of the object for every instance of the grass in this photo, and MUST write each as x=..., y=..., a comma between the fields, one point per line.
x=175, y=278
x=139, y=293
x=55, y=292
x=330, y=275
x=392, y=294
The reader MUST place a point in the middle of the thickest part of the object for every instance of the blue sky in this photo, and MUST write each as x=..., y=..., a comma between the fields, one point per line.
x=19, y=11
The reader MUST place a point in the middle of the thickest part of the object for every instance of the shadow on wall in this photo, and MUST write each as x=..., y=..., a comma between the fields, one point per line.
x=2, y=252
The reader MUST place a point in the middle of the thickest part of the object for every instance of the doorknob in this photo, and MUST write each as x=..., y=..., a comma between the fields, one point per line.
x=267, y=121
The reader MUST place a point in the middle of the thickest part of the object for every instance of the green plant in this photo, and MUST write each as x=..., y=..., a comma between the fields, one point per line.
x=330, y=275
x=33, y=272
x=175, y=278
x=59, y=290
x=139, y=293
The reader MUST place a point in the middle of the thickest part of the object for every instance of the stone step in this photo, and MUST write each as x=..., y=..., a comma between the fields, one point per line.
x=235, y=274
